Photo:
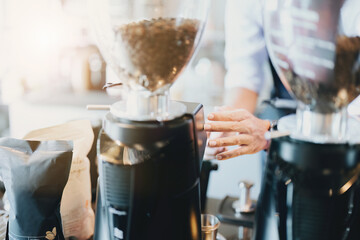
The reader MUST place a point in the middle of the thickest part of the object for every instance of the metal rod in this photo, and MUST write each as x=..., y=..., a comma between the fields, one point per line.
x=98, y=107
x=276, y=134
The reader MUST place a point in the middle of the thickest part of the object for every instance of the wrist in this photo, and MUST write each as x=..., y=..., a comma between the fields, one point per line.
x=267, y=124
x=272, y=125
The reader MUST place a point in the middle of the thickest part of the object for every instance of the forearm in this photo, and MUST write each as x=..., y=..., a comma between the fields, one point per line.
x=241, y=98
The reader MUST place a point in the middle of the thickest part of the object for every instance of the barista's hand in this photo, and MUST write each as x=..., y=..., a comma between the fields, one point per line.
x=250, y=132
x=211, y=152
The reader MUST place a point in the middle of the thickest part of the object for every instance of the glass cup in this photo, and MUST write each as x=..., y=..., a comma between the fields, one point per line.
x=209, y=226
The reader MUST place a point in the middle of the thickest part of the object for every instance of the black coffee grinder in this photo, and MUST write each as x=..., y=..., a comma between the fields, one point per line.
x=311, y=188
x=150, y=148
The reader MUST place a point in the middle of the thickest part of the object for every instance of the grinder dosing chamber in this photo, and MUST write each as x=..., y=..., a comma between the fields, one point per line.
x=150, y=148
x=310, y=188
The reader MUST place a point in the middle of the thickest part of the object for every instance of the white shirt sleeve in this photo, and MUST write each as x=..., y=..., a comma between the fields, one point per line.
x=245, y=52
x=350, y=17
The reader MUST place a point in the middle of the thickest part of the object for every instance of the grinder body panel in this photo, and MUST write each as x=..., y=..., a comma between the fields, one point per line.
x=149, y=178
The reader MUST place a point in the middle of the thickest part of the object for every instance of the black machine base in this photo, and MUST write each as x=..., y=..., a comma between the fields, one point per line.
x=309, y=192
x=149, y=178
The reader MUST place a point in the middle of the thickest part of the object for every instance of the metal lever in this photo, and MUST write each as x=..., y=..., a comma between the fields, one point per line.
x=109, y=85
x=98, y=107
x=244, y=204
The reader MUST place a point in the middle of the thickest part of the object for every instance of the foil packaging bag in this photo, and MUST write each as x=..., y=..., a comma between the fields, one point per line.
x=35, y=174
x=77, y=215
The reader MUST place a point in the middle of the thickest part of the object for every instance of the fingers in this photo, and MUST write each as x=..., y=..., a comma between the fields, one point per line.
x=210, y=153
x=214, y=135
x=214, y=151
x=234, y=115
x=225, y=127
x=241, y=150
x=208, y=134
x=230, y=141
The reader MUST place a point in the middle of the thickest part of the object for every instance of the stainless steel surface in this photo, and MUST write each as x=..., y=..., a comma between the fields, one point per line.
x=109, y=85
x=98, y=107
x=276, y=134
x=229, y=229
x=209, y=227
x=142, y=108
x=317, y=61
x=352, y=133
x=116, y=153
x=244, y=204
x=321, y=127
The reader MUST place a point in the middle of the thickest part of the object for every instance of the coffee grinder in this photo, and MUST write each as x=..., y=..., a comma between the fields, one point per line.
x=150, y=148
x=310, y=188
